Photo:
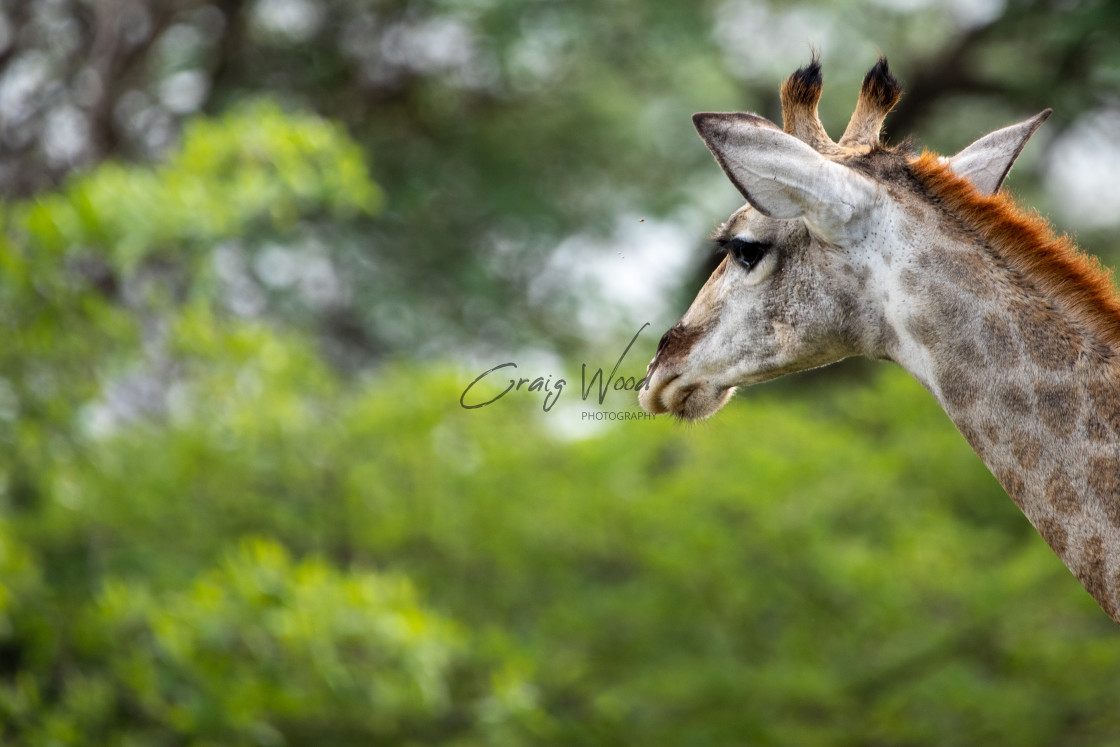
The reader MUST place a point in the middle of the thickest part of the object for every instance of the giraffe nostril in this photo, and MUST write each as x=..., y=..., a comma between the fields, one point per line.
x=673, y=333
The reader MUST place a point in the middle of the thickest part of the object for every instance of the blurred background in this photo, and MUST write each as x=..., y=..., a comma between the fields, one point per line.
x=252, y=255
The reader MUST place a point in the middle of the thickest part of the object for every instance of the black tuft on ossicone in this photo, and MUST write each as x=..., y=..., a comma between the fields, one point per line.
x=804, y=86
x=880, y=88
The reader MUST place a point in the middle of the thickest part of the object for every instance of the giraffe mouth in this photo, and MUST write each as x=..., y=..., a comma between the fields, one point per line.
x=671, y=392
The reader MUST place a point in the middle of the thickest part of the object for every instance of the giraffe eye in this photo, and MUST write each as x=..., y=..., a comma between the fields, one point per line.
x=746, y=253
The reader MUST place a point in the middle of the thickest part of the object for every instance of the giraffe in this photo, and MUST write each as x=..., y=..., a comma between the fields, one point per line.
x=855, y=247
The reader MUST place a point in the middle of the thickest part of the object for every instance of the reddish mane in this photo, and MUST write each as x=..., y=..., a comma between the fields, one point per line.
x=1027, y=242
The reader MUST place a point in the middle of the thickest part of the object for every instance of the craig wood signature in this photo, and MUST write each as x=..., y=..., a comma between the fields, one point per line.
x=550, y=388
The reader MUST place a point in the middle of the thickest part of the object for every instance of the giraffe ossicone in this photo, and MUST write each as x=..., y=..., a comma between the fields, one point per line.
x=855, y=247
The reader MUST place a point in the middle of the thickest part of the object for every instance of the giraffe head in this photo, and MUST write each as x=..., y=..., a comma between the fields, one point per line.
x=806, y=279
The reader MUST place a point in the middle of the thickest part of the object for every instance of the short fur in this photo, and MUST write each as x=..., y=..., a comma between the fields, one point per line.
x=800, y=93
x=1028, y=243
x=877, y=96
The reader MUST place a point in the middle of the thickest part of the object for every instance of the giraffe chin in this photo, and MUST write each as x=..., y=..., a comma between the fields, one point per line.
x=687, y=400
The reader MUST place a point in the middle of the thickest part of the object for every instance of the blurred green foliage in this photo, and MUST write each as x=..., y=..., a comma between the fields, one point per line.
x=262, y=550
x=261, y=651
x=255, y=166
x=839, y=571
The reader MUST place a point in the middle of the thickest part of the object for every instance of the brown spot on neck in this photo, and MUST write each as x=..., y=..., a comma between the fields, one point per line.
x=1104, y=401
x=958, y=389
x=1092, y=575
x=1104, y=480
x=1014, y=485
x=1026, y=449
x=1014, y=400
x=1051, y=342
x=1060, y=493
x=1054, y=534
x=999, y=341
x=1058, y=408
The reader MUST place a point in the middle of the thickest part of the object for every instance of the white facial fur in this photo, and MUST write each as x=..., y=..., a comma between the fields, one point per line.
x=786, y=313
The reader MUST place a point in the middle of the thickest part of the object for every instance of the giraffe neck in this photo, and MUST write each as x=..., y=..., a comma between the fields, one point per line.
x=1030, y=385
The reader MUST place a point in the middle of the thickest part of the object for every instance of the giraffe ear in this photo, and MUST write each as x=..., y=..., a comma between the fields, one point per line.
x=782, y=177
x=986, y=162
